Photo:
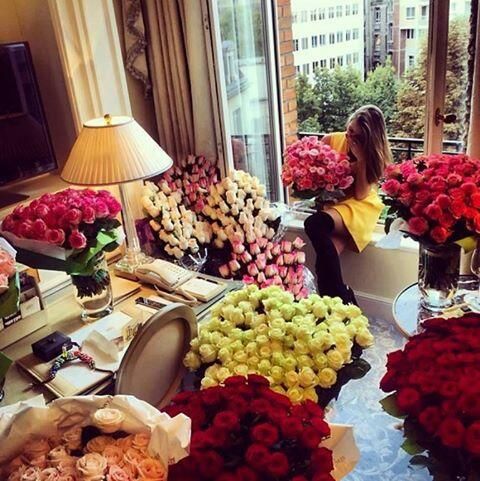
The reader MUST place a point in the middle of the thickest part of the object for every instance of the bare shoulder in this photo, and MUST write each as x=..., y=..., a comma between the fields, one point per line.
x=326, y=139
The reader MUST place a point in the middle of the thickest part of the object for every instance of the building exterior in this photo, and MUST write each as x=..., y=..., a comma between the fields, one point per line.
x=327, y=34
x=410, y=27
x=378, y=32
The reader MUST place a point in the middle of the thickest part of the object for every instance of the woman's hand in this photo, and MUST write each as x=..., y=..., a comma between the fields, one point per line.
x=357, y=149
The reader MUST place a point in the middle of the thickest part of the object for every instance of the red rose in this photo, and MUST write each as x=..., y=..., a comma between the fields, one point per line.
x=475, y=200
x=408, y=400
x=472, y=438
x=389, y=381
x=25, y=229
x=417, y=226
x=440, y=234
x=310, y=438
x=430, y=418
x=282, y=400
x=433, y=211
x=313, y=408
x=227, y=420
x=55, y=236
x=443, y=201
x=59, y=210
x=73, y=216
x=390, y=187
x=395, y=358
x=88, y=214
x=196, y=414
x=323, y=477
x=238, y=405
x=446, y=220
x=227, y=476
x=322, y=459
x=77, y=240
x=260, y=406
x=468, y=402
x=256, y=380
x=41, y=210
x=257, y=455
x=235, y=381
x=458, y=208
x=265, y=433
x=218, y=437
x=321, y=426
x=277, y=465
x=449, y=389
x=212, y=395
x=291, y=427
x=211, y=465
x=244, y=473
x=452, y=432
x=299, y=478
x=39, y=229
x=202, y=440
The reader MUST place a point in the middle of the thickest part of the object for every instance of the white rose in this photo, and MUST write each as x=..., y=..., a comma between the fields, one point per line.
x=192, y=361
x=92, y=467
x=108, y=420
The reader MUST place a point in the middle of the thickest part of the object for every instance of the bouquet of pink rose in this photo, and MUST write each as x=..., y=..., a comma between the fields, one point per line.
x=9, y=280
x=67, y=231
x=314, y=169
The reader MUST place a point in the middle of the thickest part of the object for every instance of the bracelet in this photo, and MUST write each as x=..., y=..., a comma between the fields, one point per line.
x=67, y=356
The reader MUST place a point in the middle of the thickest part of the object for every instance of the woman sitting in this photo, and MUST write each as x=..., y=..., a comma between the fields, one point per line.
x=351, y=222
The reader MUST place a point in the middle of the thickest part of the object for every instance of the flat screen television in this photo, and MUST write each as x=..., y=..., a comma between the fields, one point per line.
x=25, y=146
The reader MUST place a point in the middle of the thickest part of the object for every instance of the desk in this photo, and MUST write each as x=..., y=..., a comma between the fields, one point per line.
x=408, y=312
x=64, y=315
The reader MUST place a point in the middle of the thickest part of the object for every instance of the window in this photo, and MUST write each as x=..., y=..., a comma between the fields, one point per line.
x=248, y=105
x=306, y=68
x=355, y=9
x=377, y=41
x=355, y=57
x=297, y=69
x=331, y=12
x=411, y=60
x=378, y=15
x=303, y=16
x=323, y=63
x=348, y=34
x=314, y=41
x=321, y=39
x=347, y=10
x=313, y=15
x=340, y=60
x=355, y=33
x=294, y=17
x=304, y=43
x=321, y=14
x=332, y=63
x=410, y=33
x=339, y=36
x=349, y=58
x=295, y=44
x=314, y=66
x=410, y=13
x=424, y=12
x=331, y=38
x=339, y=10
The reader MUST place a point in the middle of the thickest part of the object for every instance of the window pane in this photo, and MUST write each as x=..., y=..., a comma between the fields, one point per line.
x=246, y=81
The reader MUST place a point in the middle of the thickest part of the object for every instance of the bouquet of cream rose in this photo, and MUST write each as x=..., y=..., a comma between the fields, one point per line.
x=68, y=231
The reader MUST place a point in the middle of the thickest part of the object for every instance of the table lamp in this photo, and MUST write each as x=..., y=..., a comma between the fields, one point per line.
x=116, y=150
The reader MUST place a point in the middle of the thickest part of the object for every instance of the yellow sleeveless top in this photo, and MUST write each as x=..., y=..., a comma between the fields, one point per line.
x=359, y=216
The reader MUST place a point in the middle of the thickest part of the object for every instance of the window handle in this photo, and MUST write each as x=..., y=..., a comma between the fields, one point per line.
x=446, y=119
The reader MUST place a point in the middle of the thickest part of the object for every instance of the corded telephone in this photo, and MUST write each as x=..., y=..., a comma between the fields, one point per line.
x=163, y=274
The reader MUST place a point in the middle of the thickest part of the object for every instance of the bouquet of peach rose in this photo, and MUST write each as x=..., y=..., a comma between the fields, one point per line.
x=90, y=438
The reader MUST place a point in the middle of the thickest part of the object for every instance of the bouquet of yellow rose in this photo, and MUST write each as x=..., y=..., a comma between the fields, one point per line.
x=306, y=349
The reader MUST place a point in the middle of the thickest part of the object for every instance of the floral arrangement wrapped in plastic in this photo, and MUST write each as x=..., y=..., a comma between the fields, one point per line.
x=300, y=347
x=9, y=280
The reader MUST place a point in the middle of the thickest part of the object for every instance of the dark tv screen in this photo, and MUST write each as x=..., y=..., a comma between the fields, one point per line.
x=25, y=145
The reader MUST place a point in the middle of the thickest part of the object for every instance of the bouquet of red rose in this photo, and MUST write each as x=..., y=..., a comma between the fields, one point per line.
x=436, y=384
x=68, y=231
x=438, y=196
x=314, y=169
x=246, y=431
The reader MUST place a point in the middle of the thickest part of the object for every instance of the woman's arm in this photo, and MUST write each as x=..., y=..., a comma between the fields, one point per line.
x=326, y=139
x=361, y=186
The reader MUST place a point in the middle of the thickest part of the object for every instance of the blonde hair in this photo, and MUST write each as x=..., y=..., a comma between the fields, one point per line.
x=372, y=123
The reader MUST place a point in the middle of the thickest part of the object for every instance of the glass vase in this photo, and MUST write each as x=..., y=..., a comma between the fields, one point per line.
x=94, y=292
x=438, y=271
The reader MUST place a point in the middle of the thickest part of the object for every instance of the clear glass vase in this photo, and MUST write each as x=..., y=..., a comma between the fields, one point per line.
x=438, y=271
x=94, y=292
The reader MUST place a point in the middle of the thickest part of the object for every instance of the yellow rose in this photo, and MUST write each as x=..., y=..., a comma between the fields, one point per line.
x=307, y=377
x=364, y=337
x=310, y=394
x=320, y=360
x=319, y=310
x=224, y=355
x=343, y=341
x=301, y=347
x=291, y=378
x=295, y=394
x=236, y=345
x=279, y=389
x=262, y=329
x=288, y=311
x=211, y=371
x=249, y=335
x=335, y=359
x=278, y=323
x=315, y=344
x=251, y=347
x=241, y=357
x=208, y=353
x=245, y=306
x=265, y=351
x=236, y=334
x=264, y=366
x=289, y=363
x=224, y=342
x=288, y=341
x=241, y=370
x=249, y=316
x=237, y=316
x=192, y=361
x=327, y=377
x=262, y=339
x=215, y=337
x=337, y=329
x=351, y=330
x=353, y=311
x=208, y=382
x=277, y=358
x=276, y=346
x=303, y=334
x=305, y=361
x=223, y=373
x=195, y=344
x=227, y=312
x=276, y=334
x=277, y=374
x=226, y=326
x=253, y=361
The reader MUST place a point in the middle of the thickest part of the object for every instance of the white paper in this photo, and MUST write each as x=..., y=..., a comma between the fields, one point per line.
x=344, y=449
x=170, y=437
x=394, y=237
x=7, y=247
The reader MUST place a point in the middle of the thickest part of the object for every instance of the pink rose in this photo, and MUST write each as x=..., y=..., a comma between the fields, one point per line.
x=49, y=474
x=7, y=264
x=113, y=455
x=98, y=444
x=141, y=441
x=41, y=210
x=55, y=236
x=152, y=469
x=74, y=216
x=56, y=455
x=59, y=210
x=115, y=473
x=25, y=229
x=114, y=207
x=101, y=209
x=31, y=474
x=77, y=240
x=9, y=223
x=88, y=214
x=39, y=229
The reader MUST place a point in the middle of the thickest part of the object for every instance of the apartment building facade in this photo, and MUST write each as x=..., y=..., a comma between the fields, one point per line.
x=378, y=32
x=327, y=34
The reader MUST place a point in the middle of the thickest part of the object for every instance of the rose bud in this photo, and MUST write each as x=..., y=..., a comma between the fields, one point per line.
x=246, y=257
x=252, y=269
x=262, y=242
x=270, y=233
x=297, y=288
x=277, y=280
x=224, y=270
x=286, y=246
x=271, y=270
x=254, y=249
x=261, y=261
x=289, y=259
x=268, y=283
x=280, y=261
x=235, y=210
x=248, y=280
x=261, y=278
x=238, y=247
x=298, y=243
x=300, y=257
x=219, y=244
x=250, y=237
x=282, y=271
x=268, y=254
x=234, y=265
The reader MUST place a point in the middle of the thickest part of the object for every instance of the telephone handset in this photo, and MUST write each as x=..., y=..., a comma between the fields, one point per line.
x=163, y=274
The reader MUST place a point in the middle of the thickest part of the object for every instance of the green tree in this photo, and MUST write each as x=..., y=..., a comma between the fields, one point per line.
x=380, y=89
x=410, y=117
x=307, y=105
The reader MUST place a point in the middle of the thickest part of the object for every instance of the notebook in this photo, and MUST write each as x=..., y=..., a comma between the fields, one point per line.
x=202, y=289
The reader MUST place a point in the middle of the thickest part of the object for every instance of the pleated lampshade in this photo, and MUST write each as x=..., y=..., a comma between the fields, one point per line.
x=112, y=150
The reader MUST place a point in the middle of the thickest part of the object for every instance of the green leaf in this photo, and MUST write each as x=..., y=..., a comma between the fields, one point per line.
x=389, y=405
x=10, y=300
x=411, y=447
x=421, y=461
x=357, y=369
